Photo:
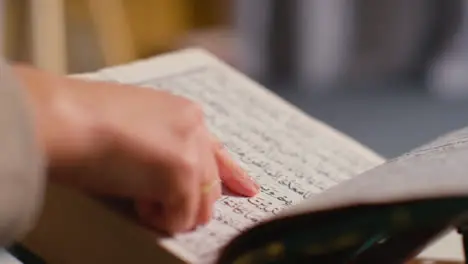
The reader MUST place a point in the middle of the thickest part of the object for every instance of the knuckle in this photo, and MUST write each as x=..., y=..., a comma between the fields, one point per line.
x=181, y=210
x=184, y=179
x=190, y=120
x=179, y=200
x=183, y=202
x=174, y=227
x=192, y=114
x=186, y=167
x=175, y=222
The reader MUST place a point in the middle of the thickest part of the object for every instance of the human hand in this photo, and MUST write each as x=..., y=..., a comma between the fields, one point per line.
x=146, y=145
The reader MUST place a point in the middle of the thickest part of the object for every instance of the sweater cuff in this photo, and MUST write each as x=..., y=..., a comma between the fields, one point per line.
x=22, y=170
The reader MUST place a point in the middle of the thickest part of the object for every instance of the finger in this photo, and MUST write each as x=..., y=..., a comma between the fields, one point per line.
x=176, y=212
x=181, y=214
x=180, y=207
x=207, y=201
x=148, y=213
x=233, y=176
x=210, y=183
x=168, y=218
x=143, y=210
x=152, y=215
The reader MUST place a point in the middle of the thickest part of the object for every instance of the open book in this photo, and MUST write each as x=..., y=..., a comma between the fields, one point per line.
x=301, y=164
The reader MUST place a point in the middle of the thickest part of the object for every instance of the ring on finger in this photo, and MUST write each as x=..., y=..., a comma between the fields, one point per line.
x=207, y=187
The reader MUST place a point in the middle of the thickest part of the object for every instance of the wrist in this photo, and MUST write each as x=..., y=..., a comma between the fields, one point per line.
x=64, y=128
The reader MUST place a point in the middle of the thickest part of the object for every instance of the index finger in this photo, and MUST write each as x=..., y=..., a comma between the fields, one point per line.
x=231, y=174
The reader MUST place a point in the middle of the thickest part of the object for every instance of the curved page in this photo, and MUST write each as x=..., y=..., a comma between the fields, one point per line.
x=291, y=155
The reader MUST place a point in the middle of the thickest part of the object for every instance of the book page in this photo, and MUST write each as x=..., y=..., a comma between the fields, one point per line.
x=291, y=156
x=436, y=169
x=7, y=258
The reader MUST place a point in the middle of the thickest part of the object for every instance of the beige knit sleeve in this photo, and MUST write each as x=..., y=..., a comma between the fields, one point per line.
x=21, y=162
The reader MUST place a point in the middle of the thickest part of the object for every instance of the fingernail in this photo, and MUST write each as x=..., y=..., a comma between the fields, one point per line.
x=256, y=186
x=252, y=185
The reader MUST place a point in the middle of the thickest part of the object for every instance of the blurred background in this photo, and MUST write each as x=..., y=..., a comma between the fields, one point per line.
x=390, y=73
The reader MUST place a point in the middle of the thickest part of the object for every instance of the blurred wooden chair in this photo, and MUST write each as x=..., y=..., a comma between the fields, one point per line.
x=48, y=35
x=123, y=30
x=37, y=34
x=48, y=25
x=130, y=29
x=113, y=30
